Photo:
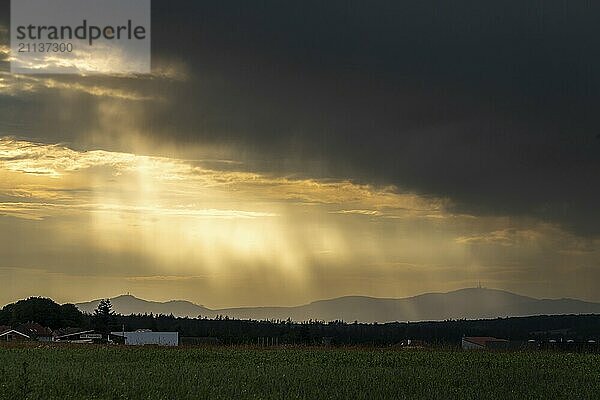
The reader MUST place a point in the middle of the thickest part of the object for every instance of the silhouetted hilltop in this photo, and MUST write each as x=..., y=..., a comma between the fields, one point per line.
x=127, y=304
x=470, y=303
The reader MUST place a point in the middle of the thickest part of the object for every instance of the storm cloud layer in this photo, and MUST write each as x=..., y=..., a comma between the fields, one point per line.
x=491, y=104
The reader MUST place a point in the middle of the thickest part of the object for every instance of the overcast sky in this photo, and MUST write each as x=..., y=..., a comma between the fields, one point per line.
x=285, y=152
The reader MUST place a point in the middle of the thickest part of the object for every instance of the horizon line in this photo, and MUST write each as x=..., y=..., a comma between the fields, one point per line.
x=128, y=294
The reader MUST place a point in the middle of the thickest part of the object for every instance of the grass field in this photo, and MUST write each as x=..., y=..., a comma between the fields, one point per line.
x=96, y=372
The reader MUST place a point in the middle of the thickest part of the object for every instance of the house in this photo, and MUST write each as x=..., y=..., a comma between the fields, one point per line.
x=12, y=335
x=144, y=337
x=482, y=342
x=36, y=331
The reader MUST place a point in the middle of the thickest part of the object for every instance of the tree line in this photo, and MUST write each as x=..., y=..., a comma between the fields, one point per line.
x=234, y=331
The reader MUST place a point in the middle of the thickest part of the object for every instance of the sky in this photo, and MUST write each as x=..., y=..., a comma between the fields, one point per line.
x=285, y=152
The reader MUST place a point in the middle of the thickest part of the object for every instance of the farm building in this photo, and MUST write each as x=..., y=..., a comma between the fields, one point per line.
x=482, y=342
x=144, y=337
x=12, y=335
x=87, y=336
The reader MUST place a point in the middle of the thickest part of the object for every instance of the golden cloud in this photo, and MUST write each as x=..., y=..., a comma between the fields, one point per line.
x=16, y=84
x=504, y=237
x=175, y=175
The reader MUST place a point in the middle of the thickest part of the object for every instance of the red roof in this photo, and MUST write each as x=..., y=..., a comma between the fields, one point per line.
x=35, y=329
x=482, y=340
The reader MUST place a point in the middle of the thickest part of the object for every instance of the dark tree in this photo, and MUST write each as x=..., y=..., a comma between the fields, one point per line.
x=104, y=315
x=70, y=316
x=104, y=309
x=43, y=311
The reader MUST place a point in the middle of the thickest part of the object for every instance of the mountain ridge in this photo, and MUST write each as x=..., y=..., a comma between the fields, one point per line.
x=466, y=303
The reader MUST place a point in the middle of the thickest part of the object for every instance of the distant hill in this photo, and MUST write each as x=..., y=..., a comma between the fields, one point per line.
x=471, y=303
x=127, y=304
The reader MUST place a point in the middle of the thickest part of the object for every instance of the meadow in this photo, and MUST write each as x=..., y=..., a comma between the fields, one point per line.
x=105, y=372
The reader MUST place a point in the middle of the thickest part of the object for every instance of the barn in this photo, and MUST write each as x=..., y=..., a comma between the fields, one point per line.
x=86, y=336
x=145, y=337
x=481, y=342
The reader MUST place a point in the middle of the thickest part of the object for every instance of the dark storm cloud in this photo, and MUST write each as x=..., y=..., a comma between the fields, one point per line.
x=493, y=104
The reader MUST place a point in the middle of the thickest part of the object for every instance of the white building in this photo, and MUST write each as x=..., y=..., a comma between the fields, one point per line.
x=142, y=337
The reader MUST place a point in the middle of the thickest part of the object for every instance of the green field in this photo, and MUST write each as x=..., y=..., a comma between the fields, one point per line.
x=96, y=372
